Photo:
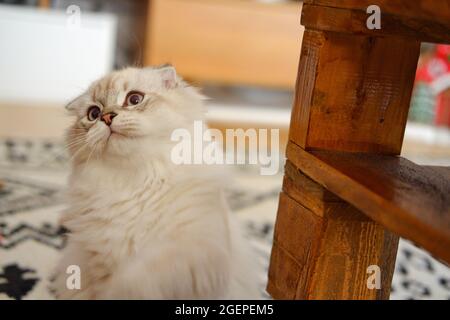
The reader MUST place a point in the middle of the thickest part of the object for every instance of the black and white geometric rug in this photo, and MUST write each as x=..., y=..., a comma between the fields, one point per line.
x=34, y=174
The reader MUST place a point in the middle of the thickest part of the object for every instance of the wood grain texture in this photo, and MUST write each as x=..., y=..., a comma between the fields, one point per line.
x=354, y=21
x=350, y=244
x=296, y=236
x=408, y=199
x=326, y=257
x=441, y=170
x=307, y=192
x=353, y=92
x=431, y=11
x=226, y=41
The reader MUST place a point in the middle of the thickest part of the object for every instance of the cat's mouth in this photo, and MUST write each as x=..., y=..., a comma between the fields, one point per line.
x=113, y=134
x=116, y=134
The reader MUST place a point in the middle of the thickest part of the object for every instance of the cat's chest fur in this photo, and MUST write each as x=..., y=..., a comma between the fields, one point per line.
x=120, y=212
x=129, y=210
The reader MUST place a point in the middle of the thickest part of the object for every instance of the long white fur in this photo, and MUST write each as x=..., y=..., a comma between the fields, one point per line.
x=140, y=226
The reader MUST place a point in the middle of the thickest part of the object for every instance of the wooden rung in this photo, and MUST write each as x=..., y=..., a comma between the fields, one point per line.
x=422, y=9
x=394, y=19
x=410, y=200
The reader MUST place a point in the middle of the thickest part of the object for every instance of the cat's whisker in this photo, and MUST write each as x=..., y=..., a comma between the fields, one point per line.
x=77, y=139
x=77, y=152
x=62, y=152
x=72, y=132
x=72, y=145
x=90, y=154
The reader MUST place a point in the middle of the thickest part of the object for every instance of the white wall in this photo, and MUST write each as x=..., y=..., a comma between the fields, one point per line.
x=46, y=56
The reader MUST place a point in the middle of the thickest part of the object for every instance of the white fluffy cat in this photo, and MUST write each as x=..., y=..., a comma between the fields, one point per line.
x=140, y=226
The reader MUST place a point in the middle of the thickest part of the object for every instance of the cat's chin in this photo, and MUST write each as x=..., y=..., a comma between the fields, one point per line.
x=120, y=145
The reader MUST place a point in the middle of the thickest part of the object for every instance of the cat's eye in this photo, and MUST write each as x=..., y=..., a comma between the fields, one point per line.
x=93, y=113
x=134, y=98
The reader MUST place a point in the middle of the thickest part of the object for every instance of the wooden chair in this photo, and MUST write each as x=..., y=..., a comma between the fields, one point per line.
x=347, y=195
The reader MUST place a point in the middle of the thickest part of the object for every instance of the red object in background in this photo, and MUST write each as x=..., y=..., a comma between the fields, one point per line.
x=443, y=103
x=435, y=67
x=443, y=51
x=443, y=109
x=435, y=72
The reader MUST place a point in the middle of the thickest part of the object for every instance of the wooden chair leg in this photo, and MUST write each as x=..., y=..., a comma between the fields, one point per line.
x=324, y=248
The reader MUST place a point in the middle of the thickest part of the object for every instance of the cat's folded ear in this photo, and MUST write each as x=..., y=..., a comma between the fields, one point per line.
x=71, y=106
x=168, y=76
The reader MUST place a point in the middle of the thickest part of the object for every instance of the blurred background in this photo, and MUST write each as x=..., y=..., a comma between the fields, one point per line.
x=243, y=53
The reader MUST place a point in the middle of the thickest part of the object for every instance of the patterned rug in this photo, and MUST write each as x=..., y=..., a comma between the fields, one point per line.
x=34, y=174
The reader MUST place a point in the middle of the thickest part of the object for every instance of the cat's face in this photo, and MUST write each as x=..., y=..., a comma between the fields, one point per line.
x=130, y=113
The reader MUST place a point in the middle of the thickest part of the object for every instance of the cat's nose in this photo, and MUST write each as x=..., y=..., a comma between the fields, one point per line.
x=108, y=117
